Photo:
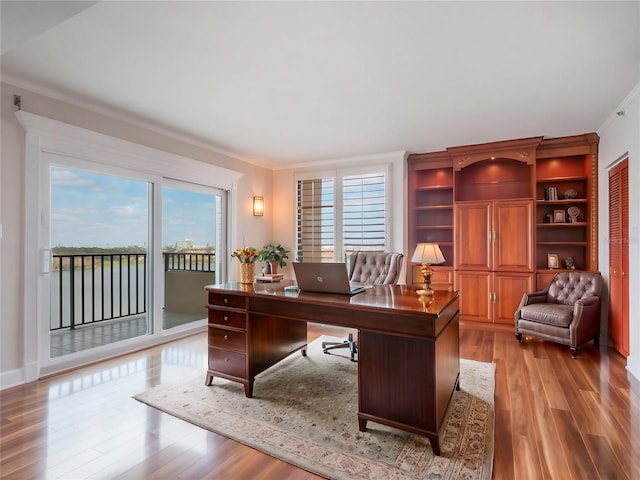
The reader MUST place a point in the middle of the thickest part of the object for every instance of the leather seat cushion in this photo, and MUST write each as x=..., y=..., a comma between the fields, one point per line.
x=548, y=313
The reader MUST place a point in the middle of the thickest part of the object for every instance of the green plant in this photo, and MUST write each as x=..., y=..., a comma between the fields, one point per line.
x=274, y=253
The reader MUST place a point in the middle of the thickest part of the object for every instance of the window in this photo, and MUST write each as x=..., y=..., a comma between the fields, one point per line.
x=357, y=197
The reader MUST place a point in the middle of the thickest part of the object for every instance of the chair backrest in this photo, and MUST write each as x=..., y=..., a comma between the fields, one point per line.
x=569, y=287
x=375, y=268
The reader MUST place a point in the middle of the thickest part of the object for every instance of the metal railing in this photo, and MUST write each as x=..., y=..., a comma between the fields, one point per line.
x=201, y=262
x=87, y=289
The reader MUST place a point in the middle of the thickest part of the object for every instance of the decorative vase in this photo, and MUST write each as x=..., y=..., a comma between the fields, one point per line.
x=246, y=272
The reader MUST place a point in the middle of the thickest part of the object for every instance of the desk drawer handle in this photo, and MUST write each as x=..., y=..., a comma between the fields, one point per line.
x=226, y=359
x=226, y=337
x=225, y=318
x=226, y=300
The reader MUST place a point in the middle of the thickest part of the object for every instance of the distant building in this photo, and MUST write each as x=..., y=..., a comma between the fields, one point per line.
x=185, y=244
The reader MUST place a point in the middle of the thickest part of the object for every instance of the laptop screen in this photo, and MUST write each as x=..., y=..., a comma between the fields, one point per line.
x=324, y=277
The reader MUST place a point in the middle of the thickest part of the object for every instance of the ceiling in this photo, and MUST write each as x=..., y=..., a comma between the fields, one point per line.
x=286, y=83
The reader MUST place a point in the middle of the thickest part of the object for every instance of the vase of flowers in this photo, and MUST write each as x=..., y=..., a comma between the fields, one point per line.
x=247, y=257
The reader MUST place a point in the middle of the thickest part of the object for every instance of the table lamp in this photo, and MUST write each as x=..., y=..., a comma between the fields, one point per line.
x=427, y=254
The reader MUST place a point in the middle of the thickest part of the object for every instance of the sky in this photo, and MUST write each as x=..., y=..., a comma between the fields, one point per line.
x=97, y=210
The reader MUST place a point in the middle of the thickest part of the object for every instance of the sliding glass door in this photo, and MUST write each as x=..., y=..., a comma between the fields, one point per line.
x=192, y=222
x=100, y=277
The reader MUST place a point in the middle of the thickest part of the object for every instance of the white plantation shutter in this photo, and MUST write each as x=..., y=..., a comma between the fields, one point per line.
x=363, y=212
x=341, y=212
x=315, y=220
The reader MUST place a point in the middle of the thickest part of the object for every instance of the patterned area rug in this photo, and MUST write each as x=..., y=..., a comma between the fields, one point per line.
x=304, y=411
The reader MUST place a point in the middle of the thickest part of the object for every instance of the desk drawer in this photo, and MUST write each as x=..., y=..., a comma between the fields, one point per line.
x=228, y=300
x=228, y=319
x=228, y=362
x=227, y=339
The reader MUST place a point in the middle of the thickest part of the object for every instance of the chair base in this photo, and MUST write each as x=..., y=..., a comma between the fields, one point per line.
x=574, y=350
x=349, y=343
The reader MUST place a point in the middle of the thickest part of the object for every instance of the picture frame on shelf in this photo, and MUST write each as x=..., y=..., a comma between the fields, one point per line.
x=553, y=261
x=559, y=216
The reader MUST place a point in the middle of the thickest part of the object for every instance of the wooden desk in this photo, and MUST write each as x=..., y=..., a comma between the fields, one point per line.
x=408, y=350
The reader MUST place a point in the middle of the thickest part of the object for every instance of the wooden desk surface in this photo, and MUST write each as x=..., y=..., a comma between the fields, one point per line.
x=380, y=301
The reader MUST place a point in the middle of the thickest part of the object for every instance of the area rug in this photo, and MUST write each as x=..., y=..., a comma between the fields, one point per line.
x=304, y=411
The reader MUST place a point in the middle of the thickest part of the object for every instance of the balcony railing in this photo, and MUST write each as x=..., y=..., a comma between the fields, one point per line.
x=87, y=289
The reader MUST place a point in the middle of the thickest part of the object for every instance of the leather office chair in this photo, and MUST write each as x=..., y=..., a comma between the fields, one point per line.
x=567, y=311
x=368, y=268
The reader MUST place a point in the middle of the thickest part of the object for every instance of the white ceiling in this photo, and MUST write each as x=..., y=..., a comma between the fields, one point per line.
x=282, y=83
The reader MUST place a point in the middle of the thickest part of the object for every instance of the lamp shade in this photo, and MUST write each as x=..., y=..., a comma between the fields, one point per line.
x=428, y=253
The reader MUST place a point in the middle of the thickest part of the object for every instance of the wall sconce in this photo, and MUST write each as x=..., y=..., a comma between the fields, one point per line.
x=258, y=206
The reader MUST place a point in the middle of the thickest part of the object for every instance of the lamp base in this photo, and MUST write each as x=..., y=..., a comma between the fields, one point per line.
x=425, y=291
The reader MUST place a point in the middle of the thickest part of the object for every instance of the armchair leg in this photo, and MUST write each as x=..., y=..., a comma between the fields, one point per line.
x=574, y=352
x=519, y=337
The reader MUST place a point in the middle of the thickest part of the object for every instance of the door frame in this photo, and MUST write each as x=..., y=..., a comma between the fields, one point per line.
x=47, y=136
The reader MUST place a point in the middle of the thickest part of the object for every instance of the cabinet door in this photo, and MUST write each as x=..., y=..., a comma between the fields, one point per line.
x=619, y=258
x=508, y=289
x=475, y=289
x=472, y=242
x=513, y=236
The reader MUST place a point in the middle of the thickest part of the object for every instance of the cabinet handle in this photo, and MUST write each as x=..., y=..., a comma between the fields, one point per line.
x=225, y=318
x=226, y=337
x=226, y=359
x=226, y=300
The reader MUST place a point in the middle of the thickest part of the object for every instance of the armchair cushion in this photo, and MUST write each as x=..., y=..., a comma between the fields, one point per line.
x=550, y=313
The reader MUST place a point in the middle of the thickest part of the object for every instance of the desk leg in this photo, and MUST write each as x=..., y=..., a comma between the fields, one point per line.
x=362, y=424
x=435, y=446
x=248, y=389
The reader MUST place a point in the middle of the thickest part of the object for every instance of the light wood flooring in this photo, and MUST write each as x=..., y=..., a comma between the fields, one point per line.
x=556, y=418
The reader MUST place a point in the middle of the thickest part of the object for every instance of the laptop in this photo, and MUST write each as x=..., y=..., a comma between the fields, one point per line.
x=325, y=277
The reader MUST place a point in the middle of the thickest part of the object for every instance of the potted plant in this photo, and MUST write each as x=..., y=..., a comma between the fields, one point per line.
x=273, y=256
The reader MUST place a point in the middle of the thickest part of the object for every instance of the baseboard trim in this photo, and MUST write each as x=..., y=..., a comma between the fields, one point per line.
x=633, y=367
x=11, y=378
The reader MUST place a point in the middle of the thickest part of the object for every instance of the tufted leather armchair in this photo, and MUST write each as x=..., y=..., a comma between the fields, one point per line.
x=567, y=311
x=368, y=268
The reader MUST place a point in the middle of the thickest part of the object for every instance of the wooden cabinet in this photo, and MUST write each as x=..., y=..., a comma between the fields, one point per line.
x=494, y=236
x=491, y=297
x=494, y=258
x=491, y=208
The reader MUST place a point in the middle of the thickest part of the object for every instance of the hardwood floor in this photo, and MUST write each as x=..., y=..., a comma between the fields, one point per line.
x=556, y=418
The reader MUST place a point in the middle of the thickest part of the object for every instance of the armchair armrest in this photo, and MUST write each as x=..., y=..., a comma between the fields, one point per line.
x=534, y=297
x=586, y=319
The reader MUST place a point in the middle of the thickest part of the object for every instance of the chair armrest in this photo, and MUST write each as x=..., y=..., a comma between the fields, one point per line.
x=586, y=319
x=534, y=297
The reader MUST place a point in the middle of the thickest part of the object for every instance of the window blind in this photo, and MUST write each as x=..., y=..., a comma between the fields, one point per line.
x=339, y=215
x=315, y=220
x=363, y=212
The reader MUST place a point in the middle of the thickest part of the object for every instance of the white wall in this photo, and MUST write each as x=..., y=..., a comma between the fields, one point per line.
x=255, y=181
x=619, y=138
